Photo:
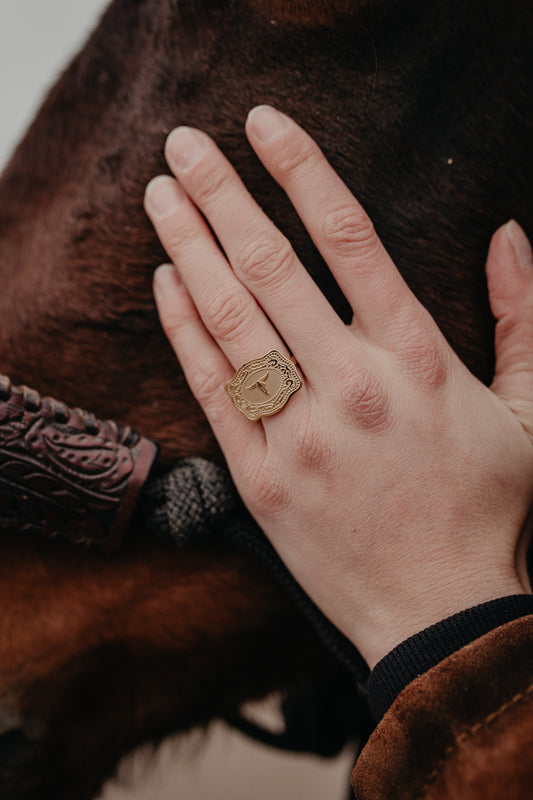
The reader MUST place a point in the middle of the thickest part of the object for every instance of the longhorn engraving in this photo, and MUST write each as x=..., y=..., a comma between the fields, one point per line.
x=260, y=384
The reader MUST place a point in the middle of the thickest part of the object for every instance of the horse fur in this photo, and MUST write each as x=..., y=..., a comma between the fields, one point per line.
x=424, y=109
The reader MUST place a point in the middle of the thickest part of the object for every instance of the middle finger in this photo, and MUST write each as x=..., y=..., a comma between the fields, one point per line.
x=260, y=255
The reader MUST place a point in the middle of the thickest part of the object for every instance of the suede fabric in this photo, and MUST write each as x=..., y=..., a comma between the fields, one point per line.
x=464, y=729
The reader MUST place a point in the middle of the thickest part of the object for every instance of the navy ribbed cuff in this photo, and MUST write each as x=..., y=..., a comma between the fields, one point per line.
x=426, y=649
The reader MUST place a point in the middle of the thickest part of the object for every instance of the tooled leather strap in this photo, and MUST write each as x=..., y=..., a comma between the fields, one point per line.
x=62, y=471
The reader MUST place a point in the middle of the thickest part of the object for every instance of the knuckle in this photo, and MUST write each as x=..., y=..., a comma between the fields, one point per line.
x=310, y=445
x=516, y=326
x=177, y=240
x=268, y=491
x=295, y=156
x=349, y=231
x=227, y=314
x=208, y=390
x=265, y=261
x=172, y=326
x=424, y=359
x=207, y=183
x=182, y=237
x=176, y=321
x=364, y=400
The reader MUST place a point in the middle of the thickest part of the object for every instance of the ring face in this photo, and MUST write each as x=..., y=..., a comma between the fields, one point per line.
x=263, y=386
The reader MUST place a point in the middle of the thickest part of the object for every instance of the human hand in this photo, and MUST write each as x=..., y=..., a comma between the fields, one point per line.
x=394, y=485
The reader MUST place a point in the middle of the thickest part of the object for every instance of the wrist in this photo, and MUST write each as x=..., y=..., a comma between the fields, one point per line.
x=426, y=649
x=395, y=621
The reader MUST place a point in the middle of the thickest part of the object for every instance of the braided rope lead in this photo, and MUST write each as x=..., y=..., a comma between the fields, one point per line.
x=196, y=504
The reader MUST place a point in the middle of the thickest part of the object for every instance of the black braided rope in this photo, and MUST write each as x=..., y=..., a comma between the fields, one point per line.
x=197, y=504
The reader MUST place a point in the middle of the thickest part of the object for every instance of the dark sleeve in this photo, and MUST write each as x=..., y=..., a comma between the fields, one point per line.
x=462, y=730
x=426, y=649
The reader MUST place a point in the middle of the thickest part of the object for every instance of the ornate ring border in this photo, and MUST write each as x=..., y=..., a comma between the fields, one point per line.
x=291, y=382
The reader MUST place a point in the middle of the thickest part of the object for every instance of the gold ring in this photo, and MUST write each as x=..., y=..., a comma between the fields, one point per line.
x=263, y=386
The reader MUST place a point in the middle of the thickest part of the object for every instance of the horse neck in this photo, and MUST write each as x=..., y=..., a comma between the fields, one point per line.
x=78, y=252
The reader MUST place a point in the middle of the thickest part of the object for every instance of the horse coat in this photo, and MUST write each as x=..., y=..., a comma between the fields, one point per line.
x=424, y=110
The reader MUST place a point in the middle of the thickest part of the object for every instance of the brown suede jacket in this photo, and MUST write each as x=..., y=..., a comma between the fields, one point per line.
x=463, y=730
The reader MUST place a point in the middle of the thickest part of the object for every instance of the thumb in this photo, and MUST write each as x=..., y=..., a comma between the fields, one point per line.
x=510, y=281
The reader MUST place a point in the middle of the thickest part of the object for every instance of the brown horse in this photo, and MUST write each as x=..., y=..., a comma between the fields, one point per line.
x=424, y=109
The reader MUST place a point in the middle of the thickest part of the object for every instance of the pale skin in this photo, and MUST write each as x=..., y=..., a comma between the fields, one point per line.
x=394, y=485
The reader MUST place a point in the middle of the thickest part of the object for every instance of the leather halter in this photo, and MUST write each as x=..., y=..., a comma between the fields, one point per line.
x=62, y=471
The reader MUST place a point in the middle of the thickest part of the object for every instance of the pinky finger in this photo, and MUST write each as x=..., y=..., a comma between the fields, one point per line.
x=206, y=369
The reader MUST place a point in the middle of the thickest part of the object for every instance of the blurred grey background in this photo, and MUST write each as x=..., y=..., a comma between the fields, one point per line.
x=37, y=38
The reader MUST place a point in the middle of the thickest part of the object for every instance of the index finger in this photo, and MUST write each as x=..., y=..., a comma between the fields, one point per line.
x=340, y=228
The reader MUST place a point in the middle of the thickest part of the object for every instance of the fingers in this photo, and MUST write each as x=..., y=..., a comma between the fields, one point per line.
x=510, y=281
x=228, y=310
x=340, y=228
x=261, y=257
x=257, y=295
x=206, y=369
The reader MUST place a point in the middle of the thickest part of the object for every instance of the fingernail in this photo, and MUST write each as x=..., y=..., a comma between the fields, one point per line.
x=520, y=244
x=267, y=123
x=166, y=280
x=163, y=195
x=184, y=147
